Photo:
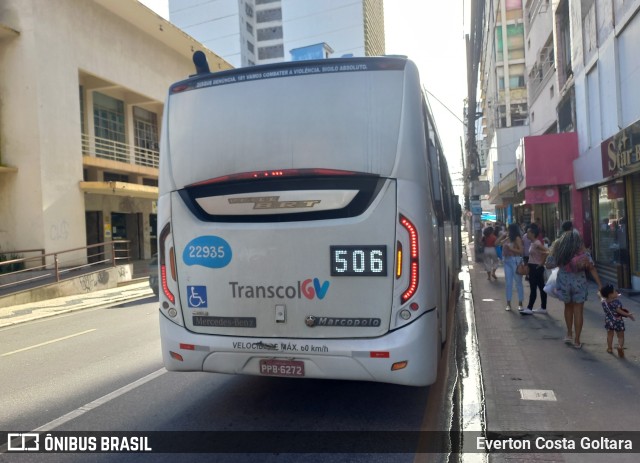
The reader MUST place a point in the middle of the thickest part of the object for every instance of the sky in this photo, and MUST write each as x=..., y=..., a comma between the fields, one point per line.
x=431, y=33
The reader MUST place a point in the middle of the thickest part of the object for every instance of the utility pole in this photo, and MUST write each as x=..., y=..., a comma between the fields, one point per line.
x=472, y=169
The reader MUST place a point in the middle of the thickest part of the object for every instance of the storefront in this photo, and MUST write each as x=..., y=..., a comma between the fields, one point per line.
x=544, y=174
x=504, y=195
x=616, y=210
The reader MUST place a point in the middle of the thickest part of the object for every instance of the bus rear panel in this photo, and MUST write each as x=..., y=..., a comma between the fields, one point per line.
x=298, y=233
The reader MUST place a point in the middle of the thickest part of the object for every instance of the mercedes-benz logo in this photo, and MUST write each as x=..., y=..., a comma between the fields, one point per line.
x=310, y=321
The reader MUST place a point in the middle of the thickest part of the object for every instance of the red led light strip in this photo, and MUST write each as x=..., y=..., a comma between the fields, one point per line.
x=414, y=266
x=262, y=174
x=165, y=286
x=163, y=267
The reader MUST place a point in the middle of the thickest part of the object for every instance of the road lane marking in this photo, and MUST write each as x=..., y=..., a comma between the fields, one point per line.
x=91, y=405
x=48, y=342
x=101, y=401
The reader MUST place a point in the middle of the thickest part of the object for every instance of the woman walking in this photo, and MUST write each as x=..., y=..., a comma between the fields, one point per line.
x=490, y=258
x=537, y=256
x=568, y=253
x=512, y=249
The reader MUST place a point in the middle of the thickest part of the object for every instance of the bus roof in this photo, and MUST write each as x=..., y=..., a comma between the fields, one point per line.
x=287, y=69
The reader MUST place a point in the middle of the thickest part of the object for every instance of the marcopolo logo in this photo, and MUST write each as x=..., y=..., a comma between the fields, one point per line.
x=309, y=288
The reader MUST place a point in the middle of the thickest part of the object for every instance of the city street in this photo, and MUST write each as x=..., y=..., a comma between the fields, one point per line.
x=101, y=370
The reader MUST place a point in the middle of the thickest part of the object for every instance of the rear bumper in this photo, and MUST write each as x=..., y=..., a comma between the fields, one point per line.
x=350, y=359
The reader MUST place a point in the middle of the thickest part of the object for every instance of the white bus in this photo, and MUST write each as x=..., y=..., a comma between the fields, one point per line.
x=307, y=223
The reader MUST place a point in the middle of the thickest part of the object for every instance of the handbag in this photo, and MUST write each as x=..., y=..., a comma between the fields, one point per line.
x=522, y=269
x=550, y=286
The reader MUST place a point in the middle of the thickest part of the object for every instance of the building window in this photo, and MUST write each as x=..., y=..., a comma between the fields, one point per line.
x=566, y=113
x=250, y=63
x=248, y=10
x=270, y=33
x=150, y=181
x=249, y=28
x=269, y=15
x=515, y=42
x=250, y=47
x=612, y=246
x=275, y=51
x=82, y=126
x=516, y=81
x=635, y=210
x=146, y=137
x=262, y=2
x=113, y=177
x=108, y=119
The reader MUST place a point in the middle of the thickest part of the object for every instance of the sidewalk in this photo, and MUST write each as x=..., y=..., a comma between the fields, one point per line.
x=534, y=383
x=105, y=298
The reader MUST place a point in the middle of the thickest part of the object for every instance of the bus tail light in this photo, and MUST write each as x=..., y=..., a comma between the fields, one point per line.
x=398, y=260
x=265, y=174
x=399, y=365
x=176, y=356
x=414, y=265
x=163, y=264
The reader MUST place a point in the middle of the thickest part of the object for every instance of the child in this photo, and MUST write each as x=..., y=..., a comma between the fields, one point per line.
x=613, y=317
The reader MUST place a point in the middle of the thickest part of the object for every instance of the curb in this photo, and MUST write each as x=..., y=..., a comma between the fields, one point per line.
x=46, y=312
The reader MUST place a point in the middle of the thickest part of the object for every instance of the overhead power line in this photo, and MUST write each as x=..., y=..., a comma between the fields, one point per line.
x=444, y=105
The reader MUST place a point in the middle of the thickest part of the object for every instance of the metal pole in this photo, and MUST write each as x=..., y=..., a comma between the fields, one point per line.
x=55, y=262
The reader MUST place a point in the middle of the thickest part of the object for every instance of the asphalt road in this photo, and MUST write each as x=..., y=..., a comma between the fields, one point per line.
x=101, y=370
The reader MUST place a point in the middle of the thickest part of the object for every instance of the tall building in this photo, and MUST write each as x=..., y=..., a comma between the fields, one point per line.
x=503, y=98
x=248, y=32
x=580, y=159
x=82, y=92
x=604, y=69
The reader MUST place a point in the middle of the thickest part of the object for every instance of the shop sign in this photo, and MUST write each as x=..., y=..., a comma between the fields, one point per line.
x=476, y=207
x=621, y=153
x=541, y=195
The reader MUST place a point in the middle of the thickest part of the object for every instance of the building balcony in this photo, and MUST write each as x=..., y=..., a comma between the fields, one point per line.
x=120, y=152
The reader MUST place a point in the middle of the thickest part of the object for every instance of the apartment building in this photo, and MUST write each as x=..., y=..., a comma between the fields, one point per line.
x=248, y=32
x=605, y=70
x=82, y=90
x=580, y=159
x=503, y=100
x=550, y=196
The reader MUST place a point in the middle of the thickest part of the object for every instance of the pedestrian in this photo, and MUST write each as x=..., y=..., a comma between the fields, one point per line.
x=512, y=249
x=569, y=254
x=526, y=243
x=490, y=258
x=614, y=315
x=537, y=255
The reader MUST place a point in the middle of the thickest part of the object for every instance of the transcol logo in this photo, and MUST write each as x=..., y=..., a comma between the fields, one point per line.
x=309, y=288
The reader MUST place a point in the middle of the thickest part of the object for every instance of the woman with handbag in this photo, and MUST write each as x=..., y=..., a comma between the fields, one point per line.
x=569, y=254
x=537, y=256
x=512, y=249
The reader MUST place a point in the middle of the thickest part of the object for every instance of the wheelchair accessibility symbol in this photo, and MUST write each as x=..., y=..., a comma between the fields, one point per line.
x=197, y=296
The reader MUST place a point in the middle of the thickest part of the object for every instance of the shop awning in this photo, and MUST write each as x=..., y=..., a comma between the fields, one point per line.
x=132, y=190
x=543, y=163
